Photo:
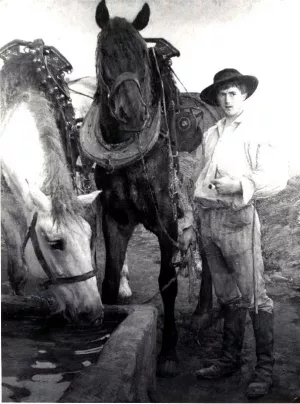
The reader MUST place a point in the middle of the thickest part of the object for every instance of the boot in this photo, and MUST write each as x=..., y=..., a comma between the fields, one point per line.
x=233, y=337
x=263, y=324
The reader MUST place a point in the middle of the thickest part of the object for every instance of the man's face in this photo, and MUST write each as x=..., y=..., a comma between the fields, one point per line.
x=231, y=100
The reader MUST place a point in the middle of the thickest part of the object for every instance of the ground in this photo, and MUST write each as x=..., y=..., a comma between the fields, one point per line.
x=281, y=241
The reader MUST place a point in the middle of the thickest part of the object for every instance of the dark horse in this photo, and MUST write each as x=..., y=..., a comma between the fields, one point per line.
x=134, y=103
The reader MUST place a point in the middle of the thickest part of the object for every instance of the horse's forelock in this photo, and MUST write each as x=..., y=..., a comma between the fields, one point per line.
x=125, y=47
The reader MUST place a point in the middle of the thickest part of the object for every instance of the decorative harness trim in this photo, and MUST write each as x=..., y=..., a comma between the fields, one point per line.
x=51, y=67
x=31, y=234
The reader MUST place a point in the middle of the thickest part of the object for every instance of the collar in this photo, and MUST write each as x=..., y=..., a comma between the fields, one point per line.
x=237, y=120
x=221, y=123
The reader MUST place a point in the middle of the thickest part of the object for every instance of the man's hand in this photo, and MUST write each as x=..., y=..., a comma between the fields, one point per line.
x=227, y=185
x=186, y=238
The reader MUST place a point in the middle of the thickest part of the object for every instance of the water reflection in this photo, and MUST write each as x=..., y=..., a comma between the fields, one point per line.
x=40, y=361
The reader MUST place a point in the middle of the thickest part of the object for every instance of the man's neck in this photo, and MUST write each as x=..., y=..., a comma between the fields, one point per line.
x=230, y=119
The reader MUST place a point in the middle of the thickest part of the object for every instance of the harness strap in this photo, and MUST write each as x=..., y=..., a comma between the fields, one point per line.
x=69, y=279
x=126, y=76
x=31, y=233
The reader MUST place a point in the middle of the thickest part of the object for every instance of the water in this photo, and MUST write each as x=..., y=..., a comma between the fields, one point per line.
x=39, y=362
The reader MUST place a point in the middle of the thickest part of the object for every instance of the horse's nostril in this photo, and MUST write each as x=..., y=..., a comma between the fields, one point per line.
x=145, y=113
x=97, y=322
x=89, y=318
x=85, y=317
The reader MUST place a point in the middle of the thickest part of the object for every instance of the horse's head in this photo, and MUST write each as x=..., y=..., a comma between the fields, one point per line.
x=123, y=72
x=66, y=247
x=41, y=192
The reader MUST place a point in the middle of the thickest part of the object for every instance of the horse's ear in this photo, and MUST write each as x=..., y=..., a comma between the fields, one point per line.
x=142, y=19
x=39, y=199
x=102, y=14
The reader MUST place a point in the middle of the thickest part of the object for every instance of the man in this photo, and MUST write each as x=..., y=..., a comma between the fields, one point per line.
x=235, y=166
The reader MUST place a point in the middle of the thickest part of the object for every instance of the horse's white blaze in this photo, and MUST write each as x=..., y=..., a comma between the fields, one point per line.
x=124, y=288
x=21, y=148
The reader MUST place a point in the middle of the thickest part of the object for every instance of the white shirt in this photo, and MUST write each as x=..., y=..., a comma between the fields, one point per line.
x=242, y=152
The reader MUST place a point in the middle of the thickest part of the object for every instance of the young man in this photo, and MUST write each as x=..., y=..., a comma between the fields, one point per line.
x=235, y=166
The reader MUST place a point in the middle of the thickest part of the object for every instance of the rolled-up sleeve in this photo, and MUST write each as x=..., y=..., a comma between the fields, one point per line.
x=269, y=173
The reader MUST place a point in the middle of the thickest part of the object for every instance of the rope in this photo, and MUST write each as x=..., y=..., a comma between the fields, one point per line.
x=163, y=228
x=179, y=265
x=162, y=290
x=78, y=92
x=253, y=260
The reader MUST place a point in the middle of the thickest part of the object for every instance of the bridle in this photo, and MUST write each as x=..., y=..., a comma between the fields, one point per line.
x=120, y=79
x=31, y=234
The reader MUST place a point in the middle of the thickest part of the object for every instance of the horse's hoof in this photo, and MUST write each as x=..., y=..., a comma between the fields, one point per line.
x=167, y=368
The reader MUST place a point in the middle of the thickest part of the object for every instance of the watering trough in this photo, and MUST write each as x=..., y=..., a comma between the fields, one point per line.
x=122, y=370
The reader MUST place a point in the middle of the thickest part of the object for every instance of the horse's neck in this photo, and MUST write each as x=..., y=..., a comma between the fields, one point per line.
x=21, y=147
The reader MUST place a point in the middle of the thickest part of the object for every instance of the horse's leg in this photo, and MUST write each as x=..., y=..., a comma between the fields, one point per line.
x=116, y=237
x=93, y=218
x=168, y=360
x=124, y=289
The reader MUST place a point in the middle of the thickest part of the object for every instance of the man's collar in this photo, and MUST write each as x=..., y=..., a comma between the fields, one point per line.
x=238, y=119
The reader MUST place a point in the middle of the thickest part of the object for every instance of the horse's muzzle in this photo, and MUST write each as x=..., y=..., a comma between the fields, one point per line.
x=85, y=318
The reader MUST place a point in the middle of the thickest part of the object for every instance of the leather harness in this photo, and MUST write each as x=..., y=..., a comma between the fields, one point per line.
x=31, y=234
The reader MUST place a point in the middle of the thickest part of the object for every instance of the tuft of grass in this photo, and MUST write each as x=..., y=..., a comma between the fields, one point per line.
x=280, y=229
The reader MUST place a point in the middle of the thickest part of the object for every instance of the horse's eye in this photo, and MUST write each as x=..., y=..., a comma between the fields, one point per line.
x=57, y=244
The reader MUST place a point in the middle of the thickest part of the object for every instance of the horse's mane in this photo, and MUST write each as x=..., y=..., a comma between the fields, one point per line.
x=19, y=83
x=122, y=42
x=57, y=183
x=16, y=76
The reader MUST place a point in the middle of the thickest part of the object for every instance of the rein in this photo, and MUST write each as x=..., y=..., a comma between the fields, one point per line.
x=172, y=165
x=31, y=234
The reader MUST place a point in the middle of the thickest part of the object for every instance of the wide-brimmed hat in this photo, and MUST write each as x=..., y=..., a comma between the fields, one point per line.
x=209, y=94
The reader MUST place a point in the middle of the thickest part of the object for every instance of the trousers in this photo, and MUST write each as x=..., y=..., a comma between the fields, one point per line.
x=232, y=244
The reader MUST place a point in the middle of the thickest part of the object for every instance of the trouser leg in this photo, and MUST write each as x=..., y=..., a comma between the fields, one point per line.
x=241, y=249
x=233, y=337
x=234, y=315
x=234, y=252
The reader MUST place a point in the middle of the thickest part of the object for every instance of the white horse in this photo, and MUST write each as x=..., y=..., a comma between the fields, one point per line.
x=39, y=207
x=82, y=93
